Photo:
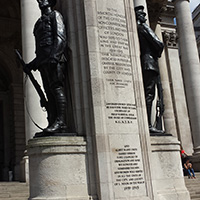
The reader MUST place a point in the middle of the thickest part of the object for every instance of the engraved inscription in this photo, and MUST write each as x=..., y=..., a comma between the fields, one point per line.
x=121, y=113
x=128, y=175
x=115, y=56
x=116, y=70
x=119, y=106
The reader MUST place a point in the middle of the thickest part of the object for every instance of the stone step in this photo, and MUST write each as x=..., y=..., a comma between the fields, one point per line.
x=193, y=186
x=14, y=191
x=20, y=198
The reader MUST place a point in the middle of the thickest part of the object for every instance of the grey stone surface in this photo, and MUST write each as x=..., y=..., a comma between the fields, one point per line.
x=58, y=168
x=167, y=171
x=168, y=116
x=116, y=86
x=190, y=67
x=183, y=124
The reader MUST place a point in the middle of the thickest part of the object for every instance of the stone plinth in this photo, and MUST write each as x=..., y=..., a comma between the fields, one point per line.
x=58, y=168
x=167, y=171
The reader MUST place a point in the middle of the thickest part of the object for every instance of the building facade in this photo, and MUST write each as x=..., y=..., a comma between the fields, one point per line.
x=196, y=21
x=19, y=103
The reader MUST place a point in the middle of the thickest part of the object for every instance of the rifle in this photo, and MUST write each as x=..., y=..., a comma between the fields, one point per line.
x=43, y=101
x=159, y=105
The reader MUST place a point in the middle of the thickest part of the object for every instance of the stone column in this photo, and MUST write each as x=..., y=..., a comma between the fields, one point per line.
x=169, y=118
x=190, y=66
x=120, y=124
x=177, y=91
x=29, y=14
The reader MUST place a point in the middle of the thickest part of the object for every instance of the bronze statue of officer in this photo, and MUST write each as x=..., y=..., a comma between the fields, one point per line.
x=50, y=40
x=151, y=49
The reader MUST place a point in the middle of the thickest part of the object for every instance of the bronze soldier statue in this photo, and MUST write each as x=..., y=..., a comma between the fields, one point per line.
x=50, y=39
x=151, y=49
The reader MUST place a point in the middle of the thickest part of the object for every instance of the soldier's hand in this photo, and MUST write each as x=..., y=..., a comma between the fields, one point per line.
x=29, y=67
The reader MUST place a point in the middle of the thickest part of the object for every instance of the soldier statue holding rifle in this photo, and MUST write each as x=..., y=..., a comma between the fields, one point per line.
x=151, y=49
x=50, y=40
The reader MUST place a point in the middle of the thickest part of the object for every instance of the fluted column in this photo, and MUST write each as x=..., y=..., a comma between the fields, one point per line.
x=29, y=14
x=190, y=66
x=169, y=118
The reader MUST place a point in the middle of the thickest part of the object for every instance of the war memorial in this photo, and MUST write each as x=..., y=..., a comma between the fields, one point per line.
x=114, y=94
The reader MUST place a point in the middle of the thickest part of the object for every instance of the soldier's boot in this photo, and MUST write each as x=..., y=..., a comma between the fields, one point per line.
x=149, y=115
x=59, y=126
x=152, y=130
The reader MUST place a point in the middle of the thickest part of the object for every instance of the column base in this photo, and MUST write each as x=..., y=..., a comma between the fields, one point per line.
x=197, y=151
x=195, y=160
x=24, y=174
x=167, y=171
x=58, y=168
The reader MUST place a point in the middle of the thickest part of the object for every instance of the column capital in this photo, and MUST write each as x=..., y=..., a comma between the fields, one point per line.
x=170, y=39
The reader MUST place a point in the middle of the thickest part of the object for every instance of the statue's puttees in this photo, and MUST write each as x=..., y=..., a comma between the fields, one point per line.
x=50, y=39
x=151, y=49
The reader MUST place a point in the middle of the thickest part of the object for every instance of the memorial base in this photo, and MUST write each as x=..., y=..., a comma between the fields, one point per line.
x=167, y=171
x=57, y=167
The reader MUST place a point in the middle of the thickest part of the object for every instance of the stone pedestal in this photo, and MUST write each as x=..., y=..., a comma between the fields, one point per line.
x=168, y=180
x=58, y=168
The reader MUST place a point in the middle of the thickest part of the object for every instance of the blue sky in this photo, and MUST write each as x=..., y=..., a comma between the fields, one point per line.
x=193, y=4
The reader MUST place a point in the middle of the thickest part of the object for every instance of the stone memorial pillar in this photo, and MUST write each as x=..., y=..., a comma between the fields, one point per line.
x=190, y=67
x=124, y=159
x=120, y=121
x=29, y=15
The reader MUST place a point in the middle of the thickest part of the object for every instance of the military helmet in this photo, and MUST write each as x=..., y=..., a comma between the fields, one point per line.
x=140, y=9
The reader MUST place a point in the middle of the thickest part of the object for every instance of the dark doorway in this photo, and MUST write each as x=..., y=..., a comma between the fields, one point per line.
x=1, y=142
x=6, y=121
